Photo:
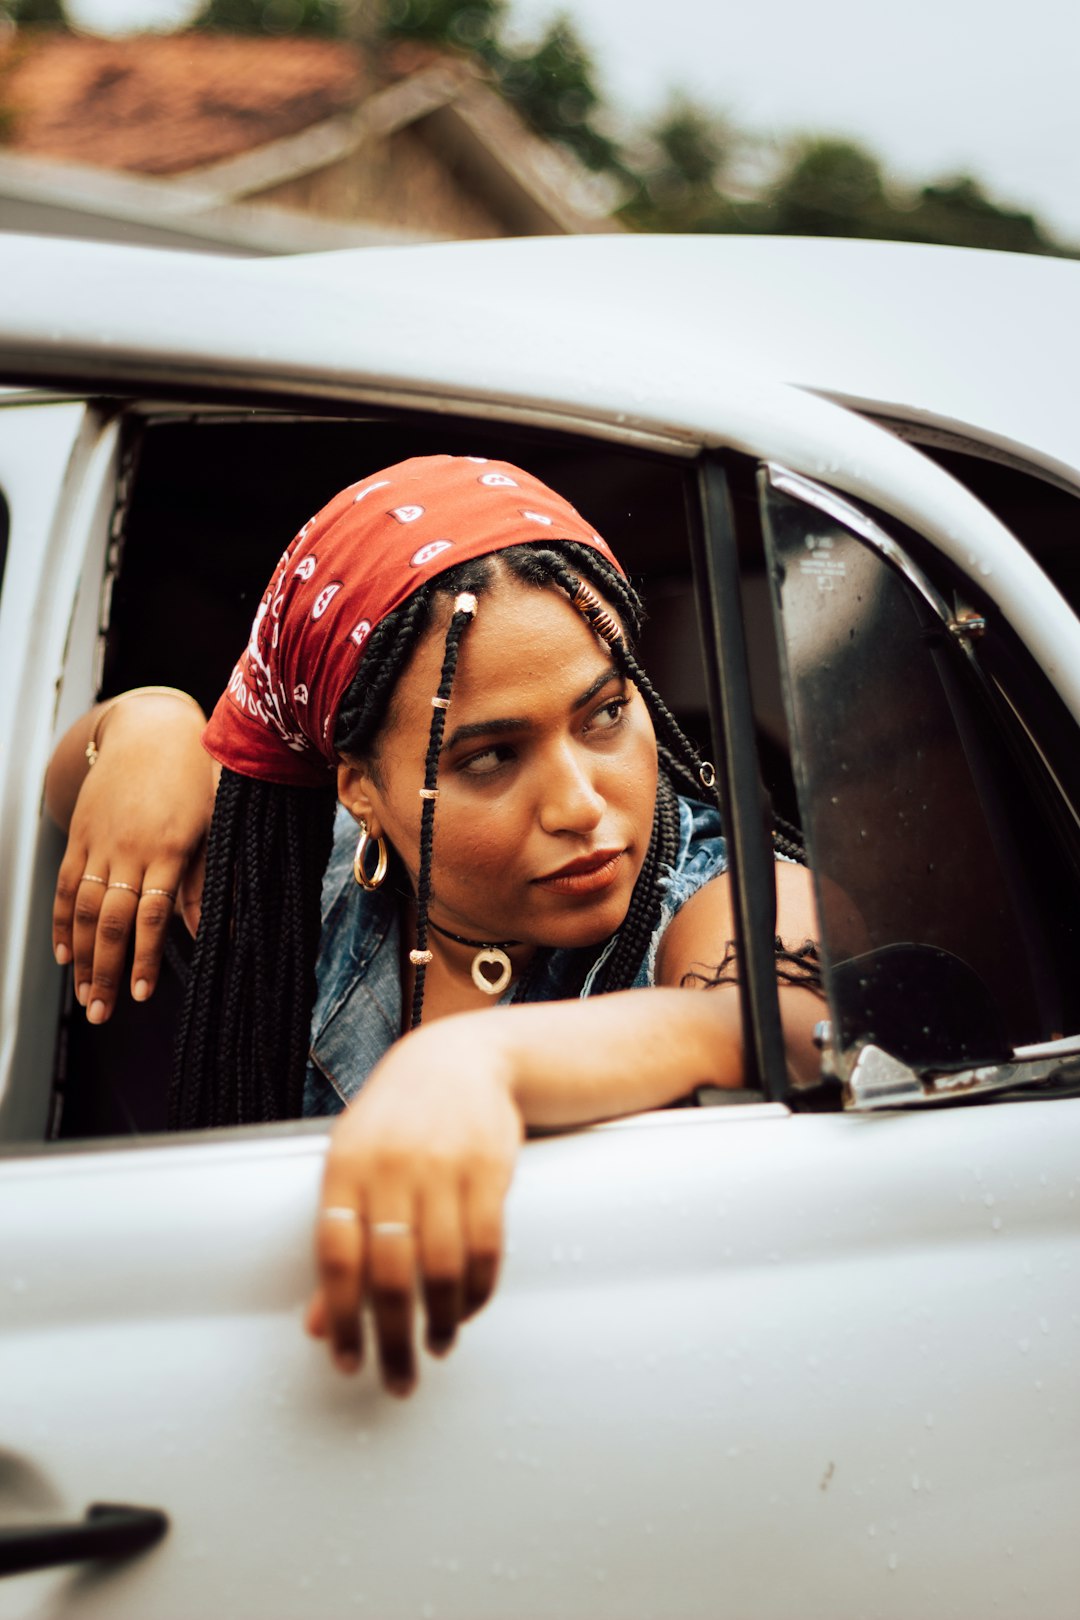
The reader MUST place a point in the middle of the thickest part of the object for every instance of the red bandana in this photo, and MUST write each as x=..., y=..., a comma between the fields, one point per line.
x=352, y=564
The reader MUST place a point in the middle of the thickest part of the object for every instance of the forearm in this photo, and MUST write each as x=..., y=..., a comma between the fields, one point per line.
x=68, y=767
x=148, y=720
x=573, y=1062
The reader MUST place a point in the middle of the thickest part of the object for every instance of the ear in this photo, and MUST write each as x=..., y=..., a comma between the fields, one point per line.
x=359, y=793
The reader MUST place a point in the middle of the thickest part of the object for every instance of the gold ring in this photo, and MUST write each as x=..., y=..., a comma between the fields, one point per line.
x=130, y=887
x=391, y=1228
x=169, y=895
x=88, y=877
x=338, y=1212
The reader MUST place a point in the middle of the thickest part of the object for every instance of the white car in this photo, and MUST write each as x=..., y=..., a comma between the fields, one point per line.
x=801, y=1353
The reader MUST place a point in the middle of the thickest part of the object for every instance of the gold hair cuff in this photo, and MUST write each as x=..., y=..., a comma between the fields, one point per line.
x=590, y=607
x=136, y=691
x=465, y=603
x=707, y=773
x=429, y=793
x=440, y=703
x=420, y=958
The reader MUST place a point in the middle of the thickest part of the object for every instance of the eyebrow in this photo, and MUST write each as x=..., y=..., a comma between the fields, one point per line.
x=497, y=728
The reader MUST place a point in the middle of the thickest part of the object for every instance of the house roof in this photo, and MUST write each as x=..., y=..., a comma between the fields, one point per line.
x=239, y=116
x=163, y=104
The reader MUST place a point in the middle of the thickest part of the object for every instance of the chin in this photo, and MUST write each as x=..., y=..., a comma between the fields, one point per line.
x=588, y=925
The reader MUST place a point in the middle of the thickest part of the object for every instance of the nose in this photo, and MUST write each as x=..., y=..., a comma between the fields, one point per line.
x=570, y=798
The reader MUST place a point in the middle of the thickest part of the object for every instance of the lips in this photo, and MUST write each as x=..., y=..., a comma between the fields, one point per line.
x=587, y=875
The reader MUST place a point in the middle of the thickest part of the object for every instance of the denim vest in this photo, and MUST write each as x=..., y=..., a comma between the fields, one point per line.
x=358, y=1016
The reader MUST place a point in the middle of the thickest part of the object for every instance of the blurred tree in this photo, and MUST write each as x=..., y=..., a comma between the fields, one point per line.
x=958, y=211
x=34, y=13
x=471, y=25
x=322, y=18
x=553, y=86
x=685, y=155
x=831, y=188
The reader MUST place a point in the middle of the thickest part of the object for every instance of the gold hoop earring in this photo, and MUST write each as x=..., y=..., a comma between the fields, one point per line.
x=381, y=864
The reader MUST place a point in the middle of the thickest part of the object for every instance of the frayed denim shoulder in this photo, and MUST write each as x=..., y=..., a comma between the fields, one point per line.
x=702, y=855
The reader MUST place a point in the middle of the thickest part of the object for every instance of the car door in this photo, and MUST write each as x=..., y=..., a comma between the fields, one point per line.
x=58, y=482
x=745, y=1357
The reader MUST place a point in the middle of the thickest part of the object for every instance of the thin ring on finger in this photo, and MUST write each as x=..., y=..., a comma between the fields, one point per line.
x=88, y=877
x=167, y=893
x=130, y=887
x=391, y=1229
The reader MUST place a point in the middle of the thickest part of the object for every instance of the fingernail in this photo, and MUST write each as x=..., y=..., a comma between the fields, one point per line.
x=141, y=990
x=95, y=1013
x=82, y=993
x=398, y=1386
x=62, y=954
x=347, y=1361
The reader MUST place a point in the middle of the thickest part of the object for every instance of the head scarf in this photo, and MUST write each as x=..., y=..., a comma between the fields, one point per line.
x=356, y=561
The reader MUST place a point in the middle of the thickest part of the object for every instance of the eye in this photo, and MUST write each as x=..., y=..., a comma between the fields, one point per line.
x=487, y=763
x=609, y=716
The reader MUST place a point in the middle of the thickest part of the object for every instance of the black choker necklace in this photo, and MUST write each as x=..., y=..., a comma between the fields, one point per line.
x=489, y=955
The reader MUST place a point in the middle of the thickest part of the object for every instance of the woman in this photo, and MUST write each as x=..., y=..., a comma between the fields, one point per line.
x=446, y=650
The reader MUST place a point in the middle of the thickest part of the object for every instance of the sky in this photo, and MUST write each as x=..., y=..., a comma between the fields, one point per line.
x=934, y=87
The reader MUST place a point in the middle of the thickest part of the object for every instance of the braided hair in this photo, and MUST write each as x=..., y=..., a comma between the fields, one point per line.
x=243, y=1040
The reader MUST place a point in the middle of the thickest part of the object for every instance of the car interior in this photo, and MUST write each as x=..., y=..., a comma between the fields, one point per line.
x=214, y=498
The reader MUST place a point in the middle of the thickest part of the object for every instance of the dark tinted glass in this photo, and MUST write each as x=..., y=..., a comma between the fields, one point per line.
x=934, y=931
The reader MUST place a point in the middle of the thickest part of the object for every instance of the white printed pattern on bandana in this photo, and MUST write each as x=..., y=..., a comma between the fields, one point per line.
x=251, y=688
x=428, y=553
x=324, y=598
x=383, y=483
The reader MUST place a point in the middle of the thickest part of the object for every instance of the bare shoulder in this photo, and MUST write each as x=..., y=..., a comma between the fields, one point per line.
x=699, y=934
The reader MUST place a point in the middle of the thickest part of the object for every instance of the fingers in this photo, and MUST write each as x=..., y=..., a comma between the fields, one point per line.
x=483, y=1214
x=109, y=907
x=448, y=1251
x=442, y=1262
x=392, y=1255
x=152, y=918
x=65, y=899
x=335, y=1312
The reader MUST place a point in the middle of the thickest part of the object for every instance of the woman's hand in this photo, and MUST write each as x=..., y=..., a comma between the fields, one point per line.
x=136, y=840
x=412, y=1197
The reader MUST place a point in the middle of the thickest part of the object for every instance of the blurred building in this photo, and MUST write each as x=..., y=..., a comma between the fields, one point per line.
x=254, y=145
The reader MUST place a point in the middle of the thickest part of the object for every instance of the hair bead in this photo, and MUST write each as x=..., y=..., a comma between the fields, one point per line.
x=591, y=608
x=429, y=793
x=420, y=958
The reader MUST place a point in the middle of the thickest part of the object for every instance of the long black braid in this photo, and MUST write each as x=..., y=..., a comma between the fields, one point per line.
x=244, y=1034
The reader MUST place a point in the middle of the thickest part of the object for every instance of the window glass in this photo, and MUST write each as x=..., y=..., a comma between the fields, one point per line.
x=938, y=926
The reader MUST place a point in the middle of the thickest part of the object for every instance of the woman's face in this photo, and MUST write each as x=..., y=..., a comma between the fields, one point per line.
x=547, y=777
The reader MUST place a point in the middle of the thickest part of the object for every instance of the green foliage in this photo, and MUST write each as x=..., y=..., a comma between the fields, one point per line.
x=958, y=211
x=687, y=150
x=832, y=188
x=553, y=86
x=35, y=13
x=321, y=18
x=471, y=25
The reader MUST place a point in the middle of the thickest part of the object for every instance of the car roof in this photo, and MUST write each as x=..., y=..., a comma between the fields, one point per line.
x=985, y=343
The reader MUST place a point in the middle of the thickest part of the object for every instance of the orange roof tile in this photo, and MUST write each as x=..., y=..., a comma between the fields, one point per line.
x=166, y=103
